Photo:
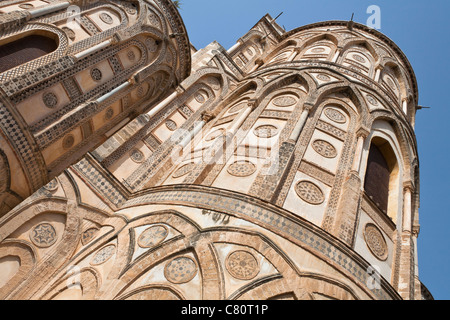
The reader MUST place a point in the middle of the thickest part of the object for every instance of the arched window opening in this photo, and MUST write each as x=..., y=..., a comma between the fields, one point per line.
x=19, y=51
x=382, y=177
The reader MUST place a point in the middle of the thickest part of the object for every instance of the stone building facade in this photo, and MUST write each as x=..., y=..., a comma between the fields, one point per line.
x=134, y=166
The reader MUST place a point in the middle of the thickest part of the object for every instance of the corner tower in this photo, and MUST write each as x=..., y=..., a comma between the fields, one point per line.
x=283, y=168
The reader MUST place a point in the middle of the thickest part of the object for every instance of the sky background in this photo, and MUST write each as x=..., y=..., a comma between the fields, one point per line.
x=421, y=30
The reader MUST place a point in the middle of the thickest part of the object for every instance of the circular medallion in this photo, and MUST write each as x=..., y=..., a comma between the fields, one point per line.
x=241, y=168
x=266, y=131
x=106, y=18
x=324, y=148
x=171, y=125
x=151, y=44
x=323, y=77
x=26, y=6
x=137, y=156
x=68, y=141
x=152, y=236
x=249, y=52
x=284, y=101
x=130, y=55
x=103, y=255
x=309, y=192
x=50, y=100
x=180, y=270
x=372, y=100
x=109, y=114
x=215, y=134
x=335, y=115
x=375, y=241
x=242, y=265
x=43, y=235
x=96, y=74
x=199, y=98
x=69, y=32
x=318, y=50
x=129, y=8
x=183, y=170
x=52, y=185
x=359, y=58
x=88, y=235
x=154, y=20
x=237, y=107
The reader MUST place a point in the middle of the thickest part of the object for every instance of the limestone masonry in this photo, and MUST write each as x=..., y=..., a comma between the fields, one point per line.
x=134, y=166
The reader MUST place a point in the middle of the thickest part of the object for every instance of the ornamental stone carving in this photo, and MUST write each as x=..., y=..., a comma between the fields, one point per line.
x=284, y=101
x=324, y=148
x=266, y=131
x=171, y=125
x=50, y=100
x=88, y=235
x=137, y=156
x=52, y=185
x=309, y=192
x=242, y=265
x=180, y=270
x=96, y=74
x=335, y=115
x=68, y=141
x=241, y=168
x=375, y=242
x=106, y=18
x=183, y=170
x=109, y=114
x=103, y=255
x=43, y=235
x=152, y=236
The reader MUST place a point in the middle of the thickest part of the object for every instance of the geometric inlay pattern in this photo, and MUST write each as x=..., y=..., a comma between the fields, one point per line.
x=285, y=101
x=103, y=255
x=50, y=100
x=88, y=235
x=266, y=131
x=241, y=168
x=324, y=148
x=43, y=235
x=335, y=115
x=183, y=170
x=180, y=270
x=152, y=236
x=137, y=156
x=309, y=192
x=375, y=241
x=242, y=265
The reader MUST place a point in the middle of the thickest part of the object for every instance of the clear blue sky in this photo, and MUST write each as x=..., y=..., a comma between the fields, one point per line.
x=421, y=30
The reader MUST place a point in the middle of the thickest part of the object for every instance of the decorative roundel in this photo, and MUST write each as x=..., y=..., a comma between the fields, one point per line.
x=284, y=101
x=43, y=235
x=50, y=100
x=309, y=192
x=171, y=125
x=109, y=114
x=26, y=6
x=131, y=55
x=318, y=50
x=242, y=265
x=375, y=241
x=215, y=134
x=266, y=131
x=88, y=235
x=237, y=107
x=151, y=44
x=96, y=74
x=180, y=270
x=242, y=168
x=152, y=236
x=52, y=185
x=183, y=170
x=106, y=18
x=335, y=115
x=69, y=32
x=68, y=141
x=372, y=100
x=323, y=77
x=129, y=8
x=153, y=19
x=137, y=156
x=103, y=255
x=324, y=148
x=199, y=98
x=358, y=58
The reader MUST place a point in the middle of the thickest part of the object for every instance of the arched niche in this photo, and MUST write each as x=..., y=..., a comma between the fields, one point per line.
x=361, y=57
x=321, y=48
x=25, y=47
x=383, y=171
